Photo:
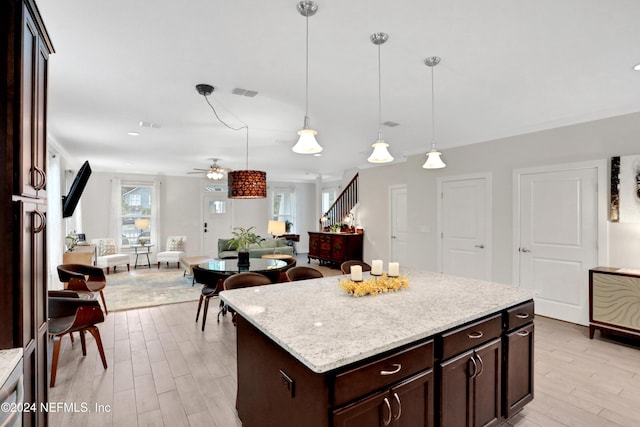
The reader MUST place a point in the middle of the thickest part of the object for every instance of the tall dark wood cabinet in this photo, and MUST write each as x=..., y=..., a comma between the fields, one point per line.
x=24, y=54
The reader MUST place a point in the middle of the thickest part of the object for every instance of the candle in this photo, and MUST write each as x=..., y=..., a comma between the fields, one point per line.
x=376, y=267
x=356, y=273
x=394, y=269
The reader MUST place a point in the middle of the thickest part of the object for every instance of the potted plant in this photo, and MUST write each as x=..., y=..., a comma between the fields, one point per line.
x=242, y=238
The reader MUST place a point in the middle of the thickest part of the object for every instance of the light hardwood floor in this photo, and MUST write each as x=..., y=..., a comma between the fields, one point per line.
x=163, y=371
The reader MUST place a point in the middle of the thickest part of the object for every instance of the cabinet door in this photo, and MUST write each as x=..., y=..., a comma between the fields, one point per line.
x=486, y=384
x=518, y=369
x=455, y=389
x=338, y=246
x=314, y=244
x=372, y=411
x=412, y=401
x=32, y=316
x=32, y=170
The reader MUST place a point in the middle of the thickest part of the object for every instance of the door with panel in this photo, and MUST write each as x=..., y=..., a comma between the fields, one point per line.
x=217, y=215
x=399, y=227
x=465, y=227
x=558, y=239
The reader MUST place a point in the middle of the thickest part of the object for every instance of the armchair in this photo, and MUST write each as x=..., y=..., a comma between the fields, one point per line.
x=69, y=313
x=108, y=256
x=173, y=251
x=80, y=277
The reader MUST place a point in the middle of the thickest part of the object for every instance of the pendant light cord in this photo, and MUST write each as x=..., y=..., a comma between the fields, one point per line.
x=433, y=114
x=244, y=126
x=379, y=96
x=306, y=102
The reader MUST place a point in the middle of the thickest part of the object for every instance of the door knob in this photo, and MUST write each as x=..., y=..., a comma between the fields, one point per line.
x=480, y=246
x=525, y=250
x=393, y=237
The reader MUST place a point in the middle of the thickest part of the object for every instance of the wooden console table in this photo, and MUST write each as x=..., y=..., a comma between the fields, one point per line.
x=81, y=254
x=613, y=301
x=335, y=248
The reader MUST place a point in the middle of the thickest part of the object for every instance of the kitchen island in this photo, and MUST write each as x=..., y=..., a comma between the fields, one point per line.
x=310, y=354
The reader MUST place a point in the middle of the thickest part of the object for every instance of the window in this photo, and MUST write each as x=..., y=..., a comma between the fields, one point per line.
x=329, y=195
x=135, y=209
x=283, y=207
x=217, y=207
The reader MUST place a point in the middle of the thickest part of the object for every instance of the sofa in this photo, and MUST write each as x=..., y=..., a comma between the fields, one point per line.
x=267, y=246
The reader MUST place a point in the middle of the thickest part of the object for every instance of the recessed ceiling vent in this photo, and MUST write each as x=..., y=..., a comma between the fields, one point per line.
x=244, y=92
x=390, y=124
x=149, y=125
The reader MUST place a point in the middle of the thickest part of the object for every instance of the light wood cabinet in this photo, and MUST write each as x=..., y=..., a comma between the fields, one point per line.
x=613, y=301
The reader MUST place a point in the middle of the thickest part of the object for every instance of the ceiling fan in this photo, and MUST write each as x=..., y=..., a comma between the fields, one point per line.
x=214, y=173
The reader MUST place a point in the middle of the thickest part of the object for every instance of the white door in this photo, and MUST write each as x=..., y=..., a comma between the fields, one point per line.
x=399, y=228
x=217, y=214
x=465, y=227
x=558, y=239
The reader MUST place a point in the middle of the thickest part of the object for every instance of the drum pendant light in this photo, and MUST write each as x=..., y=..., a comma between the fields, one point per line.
x=433, y=157
x=380, y=153
x=307, y=143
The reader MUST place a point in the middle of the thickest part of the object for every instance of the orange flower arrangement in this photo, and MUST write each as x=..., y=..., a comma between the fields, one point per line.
x=374, y=286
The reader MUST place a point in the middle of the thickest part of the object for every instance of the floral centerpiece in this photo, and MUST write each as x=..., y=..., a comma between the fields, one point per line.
x=374, y=285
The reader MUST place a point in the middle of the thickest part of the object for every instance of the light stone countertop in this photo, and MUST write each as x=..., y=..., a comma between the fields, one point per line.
x=8, y=360
x=325, y=328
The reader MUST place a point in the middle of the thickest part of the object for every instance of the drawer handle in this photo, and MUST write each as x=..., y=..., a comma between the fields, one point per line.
x=481, y=364
x=475, y=335
x=395, y=396
x=522, y=333
x=397, y=367
x=388, y=420
x=522, y=315
x=475, y=368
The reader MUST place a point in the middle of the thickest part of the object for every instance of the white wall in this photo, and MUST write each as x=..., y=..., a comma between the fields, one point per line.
x=595, y=140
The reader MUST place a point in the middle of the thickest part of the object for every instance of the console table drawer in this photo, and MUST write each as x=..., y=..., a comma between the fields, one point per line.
x=519, y=315
x=364, y=379
x=470, y=336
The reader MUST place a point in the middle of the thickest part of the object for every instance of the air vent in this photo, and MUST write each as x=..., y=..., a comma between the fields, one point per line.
x=390, y=124
x=244, y=92
x=149, y=125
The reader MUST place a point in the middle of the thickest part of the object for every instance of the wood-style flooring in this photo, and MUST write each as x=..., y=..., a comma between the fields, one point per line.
x=163, y=371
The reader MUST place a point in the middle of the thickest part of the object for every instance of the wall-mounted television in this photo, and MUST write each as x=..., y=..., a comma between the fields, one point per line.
x=70, y=201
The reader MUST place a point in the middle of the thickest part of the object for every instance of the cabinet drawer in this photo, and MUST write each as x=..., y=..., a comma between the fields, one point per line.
x=469, y=336
x=364, y=379
x=519, y=315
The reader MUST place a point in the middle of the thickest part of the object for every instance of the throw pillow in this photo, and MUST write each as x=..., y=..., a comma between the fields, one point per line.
x=107, y=247
x=176, y=245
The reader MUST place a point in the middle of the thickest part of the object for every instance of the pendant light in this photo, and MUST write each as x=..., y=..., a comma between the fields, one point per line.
x=380, y=153
x=242, y=184
x=307, y=143
x=433, y=157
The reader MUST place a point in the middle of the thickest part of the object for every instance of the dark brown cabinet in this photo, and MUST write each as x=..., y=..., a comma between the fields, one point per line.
x=518, y=358
x=407, y=404
x=335, y=248
x=471, y=386
x=23, y=285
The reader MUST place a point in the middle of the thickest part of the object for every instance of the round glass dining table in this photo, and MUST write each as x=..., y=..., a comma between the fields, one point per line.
x=256, y=265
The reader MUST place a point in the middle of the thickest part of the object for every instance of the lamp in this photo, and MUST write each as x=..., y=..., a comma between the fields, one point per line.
x=380, y=153
x=276, y=228
x=141, y=224
x=307, y=143
x=433, y=157
x=242, y=184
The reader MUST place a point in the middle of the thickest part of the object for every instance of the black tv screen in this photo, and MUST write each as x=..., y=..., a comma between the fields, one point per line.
x=70, y=201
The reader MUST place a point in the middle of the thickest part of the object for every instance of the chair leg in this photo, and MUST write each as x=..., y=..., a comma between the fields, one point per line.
x=108, y=270
x=204, y=315
x=96, y=335
x=158, y=265
x=104, y=303
x=221, y=310
x=178, y=265
x=199, y=305
x=54, y=361
x=128, y=267
x=83, y=342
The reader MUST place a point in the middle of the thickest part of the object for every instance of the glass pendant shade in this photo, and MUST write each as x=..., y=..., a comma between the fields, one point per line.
x=215, y=175
x=247, y=184
x=307, y=143
x=433, y=160
x=380, y=153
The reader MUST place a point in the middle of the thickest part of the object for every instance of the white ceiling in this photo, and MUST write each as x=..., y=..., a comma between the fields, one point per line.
x=508, y=67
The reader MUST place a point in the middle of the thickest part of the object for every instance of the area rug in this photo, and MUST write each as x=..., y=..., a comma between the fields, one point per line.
x=148, y=288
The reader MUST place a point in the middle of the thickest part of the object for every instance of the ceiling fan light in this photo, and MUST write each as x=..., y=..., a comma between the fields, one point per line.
x=380, y=153
x=307, y=143
x=433, y=160
x=215, y=175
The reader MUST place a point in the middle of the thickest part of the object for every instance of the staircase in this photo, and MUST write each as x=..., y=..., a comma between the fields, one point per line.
x=342, y=206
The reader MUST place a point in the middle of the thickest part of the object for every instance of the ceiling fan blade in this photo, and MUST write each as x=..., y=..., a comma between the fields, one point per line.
x=201, y=170
x=196, y=172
